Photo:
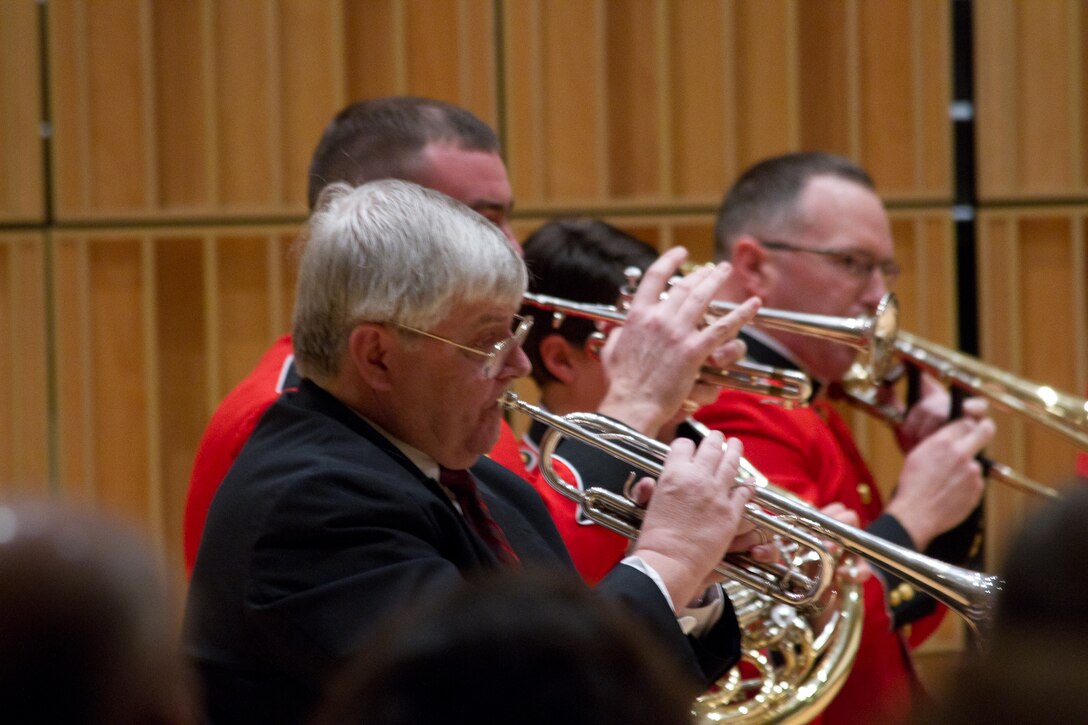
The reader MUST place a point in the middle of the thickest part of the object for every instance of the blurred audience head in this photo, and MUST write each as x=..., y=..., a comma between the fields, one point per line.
x=509, y=647
x=88, y=628
x=1034, y=667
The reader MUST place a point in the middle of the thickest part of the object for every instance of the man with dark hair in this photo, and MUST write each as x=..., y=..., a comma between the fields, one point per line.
x=429, y=142
x=432, y=143
x=583, y=260
x=807, y=232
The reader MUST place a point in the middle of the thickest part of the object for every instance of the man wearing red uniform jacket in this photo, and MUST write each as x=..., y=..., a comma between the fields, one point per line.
x=432, y=143
x=807, y=232
x=582, y=260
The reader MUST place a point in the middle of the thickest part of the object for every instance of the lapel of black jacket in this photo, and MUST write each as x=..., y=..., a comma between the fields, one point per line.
x=312, y=395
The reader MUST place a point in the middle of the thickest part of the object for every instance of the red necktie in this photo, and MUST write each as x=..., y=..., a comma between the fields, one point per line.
x=463, y=487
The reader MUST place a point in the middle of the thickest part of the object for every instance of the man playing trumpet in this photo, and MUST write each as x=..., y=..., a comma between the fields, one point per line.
x=366, y=488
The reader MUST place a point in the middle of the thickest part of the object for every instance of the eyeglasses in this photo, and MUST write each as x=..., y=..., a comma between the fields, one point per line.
x=499, y=353
x=858, y=265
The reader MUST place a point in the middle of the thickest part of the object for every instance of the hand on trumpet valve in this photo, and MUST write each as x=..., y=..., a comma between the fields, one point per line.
x=693, y=512
x=850, y=569
x=653, y=361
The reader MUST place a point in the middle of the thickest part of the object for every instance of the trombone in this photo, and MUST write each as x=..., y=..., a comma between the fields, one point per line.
x=859, y=390
x=971, y=594
x=1062, y=413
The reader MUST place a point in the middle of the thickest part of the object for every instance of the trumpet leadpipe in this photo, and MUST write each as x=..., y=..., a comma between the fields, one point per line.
x=789, y=388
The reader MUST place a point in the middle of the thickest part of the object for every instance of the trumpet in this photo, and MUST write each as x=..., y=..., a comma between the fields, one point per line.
x=789, y=388
x=971, y=594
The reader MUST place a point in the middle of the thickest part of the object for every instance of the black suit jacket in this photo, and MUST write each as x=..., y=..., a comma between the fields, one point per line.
x=322, y=528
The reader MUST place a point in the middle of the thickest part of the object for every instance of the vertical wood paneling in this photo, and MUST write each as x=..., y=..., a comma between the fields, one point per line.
x=181, y=105
x=243, y=304
x=633, y=86
x=570, y=123
x=102, y=371
x=1046, y=119
x=181, y=351
x=133, y=310
x=701, y=91
x=1030, y=69
x=767, y=100
x=1033, y=264
x=442, y=50
x=21, y=191
x=247, y=158
x=24, y=435
x=825, y=92
x=903, y=108
x=100, y=123
x=308, y=69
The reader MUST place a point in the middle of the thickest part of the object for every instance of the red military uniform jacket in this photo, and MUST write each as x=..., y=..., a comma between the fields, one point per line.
x=234, y=421
x=594, y=549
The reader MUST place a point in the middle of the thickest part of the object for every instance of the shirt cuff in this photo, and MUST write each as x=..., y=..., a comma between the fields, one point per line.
x=692, y=620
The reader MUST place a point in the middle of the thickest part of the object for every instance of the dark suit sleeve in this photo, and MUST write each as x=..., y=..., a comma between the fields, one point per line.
x=703, y=659
x=960, y=546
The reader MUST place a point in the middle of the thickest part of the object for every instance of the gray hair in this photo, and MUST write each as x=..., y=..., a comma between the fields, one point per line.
x=392, y=251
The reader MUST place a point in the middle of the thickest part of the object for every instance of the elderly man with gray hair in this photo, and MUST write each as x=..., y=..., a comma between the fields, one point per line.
x=367, y=488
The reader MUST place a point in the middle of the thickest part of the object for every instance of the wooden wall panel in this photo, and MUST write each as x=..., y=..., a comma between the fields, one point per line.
x=1032, y=109
x=1034, y=269
x=24, y=392
x=767, y=102
x=213, y=109
x=443, y=50
x=21, y=191
x=152, y=328
x=103, y=372
x=649, y=102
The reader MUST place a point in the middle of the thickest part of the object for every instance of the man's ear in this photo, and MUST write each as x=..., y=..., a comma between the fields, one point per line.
x=369, y=348
x=751, y=267
x=556, y=355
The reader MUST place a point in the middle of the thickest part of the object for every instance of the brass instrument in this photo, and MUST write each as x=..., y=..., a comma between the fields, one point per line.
x=873, y=336
x=789, y=388
x=859, y=390
x=1062, y=413
x=812, y=666
x=970, y=593
x=786, y=584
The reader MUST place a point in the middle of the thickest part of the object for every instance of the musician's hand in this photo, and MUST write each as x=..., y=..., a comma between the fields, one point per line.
x=693, y=514
x=850, y=570
x=941, y=482
x=652, y=361
x=929, y=414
